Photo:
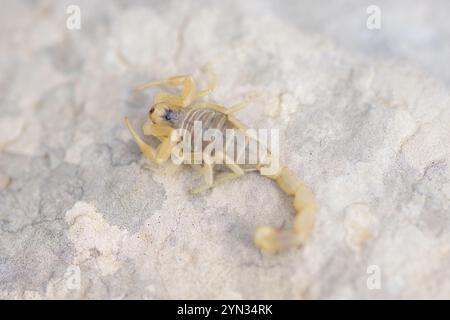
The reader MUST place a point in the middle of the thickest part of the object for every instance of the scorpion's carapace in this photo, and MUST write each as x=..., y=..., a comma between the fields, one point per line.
x=171, y=112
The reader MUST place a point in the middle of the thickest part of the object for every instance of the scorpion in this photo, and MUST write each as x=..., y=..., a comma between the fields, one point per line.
x=170, y=112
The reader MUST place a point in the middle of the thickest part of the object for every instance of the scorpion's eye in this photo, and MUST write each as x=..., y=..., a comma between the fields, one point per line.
x=169, y=115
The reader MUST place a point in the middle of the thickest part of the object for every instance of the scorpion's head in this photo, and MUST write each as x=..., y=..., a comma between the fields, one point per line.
x=164, y=114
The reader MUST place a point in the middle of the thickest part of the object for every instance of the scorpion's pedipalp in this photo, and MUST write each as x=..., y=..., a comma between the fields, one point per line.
x=170, y=99
x=188, y=92
x=161, y=154
x=172, y=81
x=148, y=151
x=150, y=129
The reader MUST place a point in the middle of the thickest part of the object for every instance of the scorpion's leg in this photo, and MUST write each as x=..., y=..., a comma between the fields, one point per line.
x=239, y=106
x=228, y=111
x=207, y=170
x=224, y=177
x=219, y=179
x=211, y=82
x=219, y=158
x=213, y=106
x=230, y=163
x=238, y=124
x=208, y=173
x=158, y=155
x=188, y=92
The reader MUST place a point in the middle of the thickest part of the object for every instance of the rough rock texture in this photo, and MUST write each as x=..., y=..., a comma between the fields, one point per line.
x=82, y=217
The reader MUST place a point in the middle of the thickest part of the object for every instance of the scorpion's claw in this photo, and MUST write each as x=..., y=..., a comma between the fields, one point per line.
x=271, y=240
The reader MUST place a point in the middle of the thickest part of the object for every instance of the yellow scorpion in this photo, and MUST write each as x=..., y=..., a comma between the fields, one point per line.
x=170, y=112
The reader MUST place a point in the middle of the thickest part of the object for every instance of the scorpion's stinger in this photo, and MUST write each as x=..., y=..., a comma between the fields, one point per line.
x=271, y=240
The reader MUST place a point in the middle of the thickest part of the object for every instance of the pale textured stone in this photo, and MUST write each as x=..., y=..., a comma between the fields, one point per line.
x=81, y=217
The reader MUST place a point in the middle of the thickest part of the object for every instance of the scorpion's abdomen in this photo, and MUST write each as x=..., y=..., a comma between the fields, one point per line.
x=209, y=119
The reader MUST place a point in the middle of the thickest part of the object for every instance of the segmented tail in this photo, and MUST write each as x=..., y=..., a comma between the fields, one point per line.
x=271, y=240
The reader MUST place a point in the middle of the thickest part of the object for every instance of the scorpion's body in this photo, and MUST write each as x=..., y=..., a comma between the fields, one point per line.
x=210, y=119
x=170, y=114
x=216, y=120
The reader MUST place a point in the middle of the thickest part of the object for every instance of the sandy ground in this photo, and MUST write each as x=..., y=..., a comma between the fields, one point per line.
x=363, y=118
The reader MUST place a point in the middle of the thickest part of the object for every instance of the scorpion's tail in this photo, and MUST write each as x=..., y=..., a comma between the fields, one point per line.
x=272, y=240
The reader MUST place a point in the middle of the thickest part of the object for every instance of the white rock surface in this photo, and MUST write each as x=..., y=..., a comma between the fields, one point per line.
x=81, y=217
